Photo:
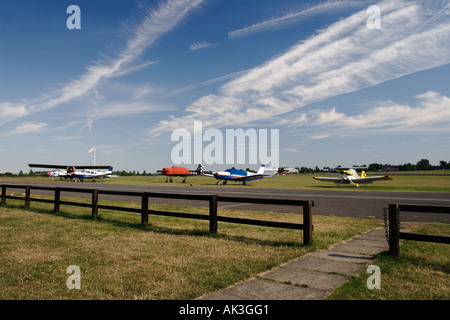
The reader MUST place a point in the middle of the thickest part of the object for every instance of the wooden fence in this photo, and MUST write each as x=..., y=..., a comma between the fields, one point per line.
x=213, y=217
x=394, y=225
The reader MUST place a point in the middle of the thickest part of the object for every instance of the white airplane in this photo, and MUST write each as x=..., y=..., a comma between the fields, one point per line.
x=237, y=175
x=351, y=177
x=70, y=172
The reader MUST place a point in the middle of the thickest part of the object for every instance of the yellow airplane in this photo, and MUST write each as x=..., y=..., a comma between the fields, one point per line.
x=351, y=177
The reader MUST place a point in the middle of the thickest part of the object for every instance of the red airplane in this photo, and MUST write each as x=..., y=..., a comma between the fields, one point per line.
x=180, y=172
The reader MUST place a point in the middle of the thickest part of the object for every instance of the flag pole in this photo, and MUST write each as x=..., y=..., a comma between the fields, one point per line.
x=93, y=149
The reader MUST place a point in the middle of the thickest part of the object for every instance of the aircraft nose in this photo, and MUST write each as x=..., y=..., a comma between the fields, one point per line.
x=49, y=173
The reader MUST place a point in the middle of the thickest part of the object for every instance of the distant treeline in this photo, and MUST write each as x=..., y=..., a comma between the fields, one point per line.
x=422, y=165
x=132, y=173
x=22, y=174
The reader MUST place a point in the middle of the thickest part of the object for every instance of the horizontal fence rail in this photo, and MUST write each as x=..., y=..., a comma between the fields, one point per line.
x=394, y=225
x=213, y=200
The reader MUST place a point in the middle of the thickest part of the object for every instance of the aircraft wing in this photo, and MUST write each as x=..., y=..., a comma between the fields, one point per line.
x=208, y=175
x=328, y=179
x=249, y=178
x=371, y=179
x=355, y=180
x=58, y=166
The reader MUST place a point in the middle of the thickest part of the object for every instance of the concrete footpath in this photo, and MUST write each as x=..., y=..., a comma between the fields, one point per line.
x=312, y=276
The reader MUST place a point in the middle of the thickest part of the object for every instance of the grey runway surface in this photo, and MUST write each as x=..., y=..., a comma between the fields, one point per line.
x=338, y=202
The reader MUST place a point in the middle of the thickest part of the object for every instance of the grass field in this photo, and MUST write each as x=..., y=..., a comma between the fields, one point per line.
x=171, y=258
x=174, y=258
x=431, y=181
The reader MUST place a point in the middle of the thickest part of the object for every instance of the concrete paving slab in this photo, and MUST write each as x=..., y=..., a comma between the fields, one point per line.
x=373, y=241
x=356, y=246
x=331, y=266
x=312, y=276
x=307, y=278
x=377, y=232
x=260, y=289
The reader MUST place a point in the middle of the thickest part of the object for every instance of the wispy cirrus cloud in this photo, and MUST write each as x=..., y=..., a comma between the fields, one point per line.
x=9, y=110
x=200, y=45
x=293, y=17
x=153, y=24
x=27, y=127
x=342, y=58
x=120, y=109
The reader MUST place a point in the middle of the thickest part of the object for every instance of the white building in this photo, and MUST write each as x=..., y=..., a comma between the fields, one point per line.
x=290, y=170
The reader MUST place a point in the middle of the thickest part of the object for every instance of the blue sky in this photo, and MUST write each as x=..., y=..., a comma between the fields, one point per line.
x=339, y=90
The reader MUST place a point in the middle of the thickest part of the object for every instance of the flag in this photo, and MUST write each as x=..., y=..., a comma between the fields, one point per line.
x=92, y=149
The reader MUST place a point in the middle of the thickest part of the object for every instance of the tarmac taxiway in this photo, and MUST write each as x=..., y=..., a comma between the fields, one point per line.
x=349, y=203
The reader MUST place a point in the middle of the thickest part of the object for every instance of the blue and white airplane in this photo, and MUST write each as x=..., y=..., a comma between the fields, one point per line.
x=70, y=172
x=238, y=175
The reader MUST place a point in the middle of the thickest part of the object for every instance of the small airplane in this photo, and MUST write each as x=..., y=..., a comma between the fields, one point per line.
x=180, y=172
x=64, y=172
x=238, y=175
x=351, y=177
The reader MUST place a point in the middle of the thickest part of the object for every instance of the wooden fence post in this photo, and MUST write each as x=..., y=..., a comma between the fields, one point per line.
x=213, y=214
x=57, y=199
x=307, y=223
x=144, y=208
x=94, y=203
x=394, y=229
x=27, y=196
x=3, y=195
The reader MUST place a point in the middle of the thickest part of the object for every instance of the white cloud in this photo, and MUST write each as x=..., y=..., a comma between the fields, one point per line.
x=9, y=110
x=200, y=45
x=154, y=24
x=292, y=17
x=342, y=58
x=69, y=125
x=119, y=109
x=319, y=136
x=143, y=90
x=27, y=127
x=430, y=112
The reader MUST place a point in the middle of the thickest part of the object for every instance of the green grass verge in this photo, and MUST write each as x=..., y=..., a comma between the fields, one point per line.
x=175, y=258
x=417, y=181
x=171, y=258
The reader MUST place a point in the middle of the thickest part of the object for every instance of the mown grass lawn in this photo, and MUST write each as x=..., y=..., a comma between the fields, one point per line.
x=175, y=258
x=171, y=258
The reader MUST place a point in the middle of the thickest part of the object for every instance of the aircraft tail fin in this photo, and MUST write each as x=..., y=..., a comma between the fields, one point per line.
x=261, y=170
x=200, y=169
x=110, y=169
x=363, y=174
